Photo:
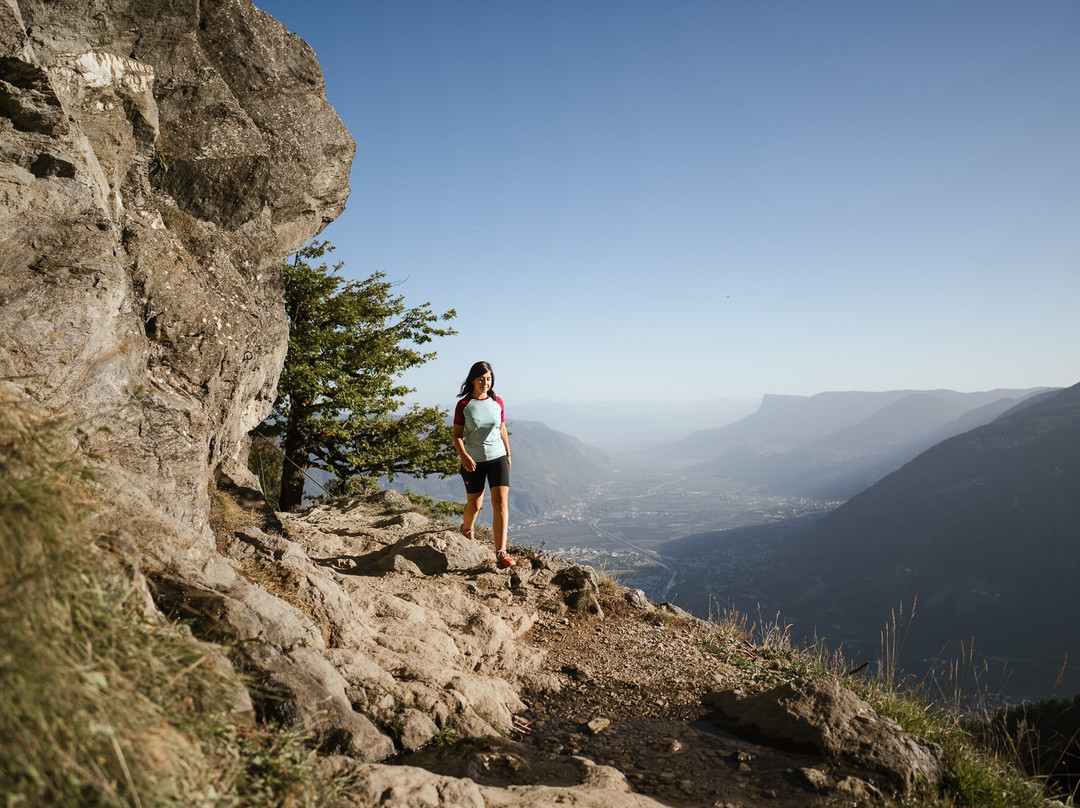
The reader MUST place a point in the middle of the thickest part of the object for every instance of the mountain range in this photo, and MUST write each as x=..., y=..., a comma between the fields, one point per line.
x=551, y=471
x=979, y=536
x=632, y=426
x=832, y=445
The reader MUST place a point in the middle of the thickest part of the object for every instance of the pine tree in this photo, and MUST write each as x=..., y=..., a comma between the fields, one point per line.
x=339, y=398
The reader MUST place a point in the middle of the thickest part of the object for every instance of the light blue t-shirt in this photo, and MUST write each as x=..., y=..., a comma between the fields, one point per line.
x=482, y=419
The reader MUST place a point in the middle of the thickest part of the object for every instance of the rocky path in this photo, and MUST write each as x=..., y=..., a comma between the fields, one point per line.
x=438, y=679
x=630, y=697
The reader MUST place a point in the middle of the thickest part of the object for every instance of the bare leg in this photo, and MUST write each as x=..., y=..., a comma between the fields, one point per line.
x=500, y=515
x=473, y=504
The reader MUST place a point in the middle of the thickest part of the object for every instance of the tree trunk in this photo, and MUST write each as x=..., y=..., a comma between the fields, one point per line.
x=294, y=466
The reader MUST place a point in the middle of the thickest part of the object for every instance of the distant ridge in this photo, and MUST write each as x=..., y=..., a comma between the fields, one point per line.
x=980, y=533
x=551, y=470
x=983, y=529
x=771, y=402
x=630, y=426
x=833, y=445
x=786, y=422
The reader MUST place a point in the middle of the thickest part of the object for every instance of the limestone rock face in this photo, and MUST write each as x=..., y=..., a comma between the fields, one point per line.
x=158, y=160
x=373, y=660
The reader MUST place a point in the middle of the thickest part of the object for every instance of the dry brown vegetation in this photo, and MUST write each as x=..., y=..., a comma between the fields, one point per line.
x=103, y=703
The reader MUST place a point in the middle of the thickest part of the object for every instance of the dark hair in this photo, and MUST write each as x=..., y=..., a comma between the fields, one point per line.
x=475, y=372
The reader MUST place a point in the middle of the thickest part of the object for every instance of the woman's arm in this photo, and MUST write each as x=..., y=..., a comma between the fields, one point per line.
x=505, y=440
x=467, y=462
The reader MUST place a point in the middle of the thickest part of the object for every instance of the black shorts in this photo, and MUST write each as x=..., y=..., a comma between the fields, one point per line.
x=495, y=472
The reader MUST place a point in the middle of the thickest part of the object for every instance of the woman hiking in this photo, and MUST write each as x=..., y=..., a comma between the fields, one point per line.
x=483, y=444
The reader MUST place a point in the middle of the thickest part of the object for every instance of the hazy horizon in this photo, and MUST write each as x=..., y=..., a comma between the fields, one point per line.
x=704, y=200
x=758, y=398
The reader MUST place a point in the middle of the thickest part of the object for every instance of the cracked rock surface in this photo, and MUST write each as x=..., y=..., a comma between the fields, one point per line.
x=158, y=161
x=473, y=685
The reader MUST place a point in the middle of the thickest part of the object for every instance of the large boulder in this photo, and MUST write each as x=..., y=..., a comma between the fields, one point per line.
x=820, y=716
x=301, y=688
x=158, y=160
x=435, y=553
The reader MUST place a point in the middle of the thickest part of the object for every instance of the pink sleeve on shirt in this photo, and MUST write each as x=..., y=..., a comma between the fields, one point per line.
x=459, y=411
x=502, y=410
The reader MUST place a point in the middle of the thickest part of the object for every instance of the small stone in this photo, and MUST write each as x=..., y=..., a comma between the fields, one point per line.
x=396, y=563
x=577, y=672
x=859, y=790
x=667, y=746
x=815, y=778
x=637, y=600
x=598, y=725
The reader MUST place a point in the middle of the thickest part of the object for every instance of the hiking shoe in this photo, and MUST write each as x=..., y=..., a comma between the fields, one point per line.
x=504, y=559
x=468, y=534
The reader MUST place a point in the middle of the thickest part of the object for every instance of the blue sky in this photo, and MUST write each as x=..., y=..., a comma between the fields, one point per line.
x=686, y=200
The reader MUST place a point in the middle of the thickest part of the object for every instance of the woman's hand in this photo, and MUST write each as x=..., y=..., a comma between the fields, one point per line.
x=467, y=462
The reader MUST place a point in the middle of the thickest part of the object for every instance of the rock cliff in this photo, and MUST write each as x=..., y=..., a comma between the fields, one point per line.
x=157, y=163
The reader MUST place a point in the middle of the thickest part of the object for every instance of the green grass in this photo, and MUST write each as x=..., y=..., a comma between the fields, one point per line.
x=977, y=775
x=104, y=703
x=444, y=737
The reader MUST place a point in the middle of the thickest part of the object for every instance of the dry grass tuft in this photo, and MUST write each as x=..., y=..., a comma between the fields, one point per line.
x=94, y=709
x=103, y=705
